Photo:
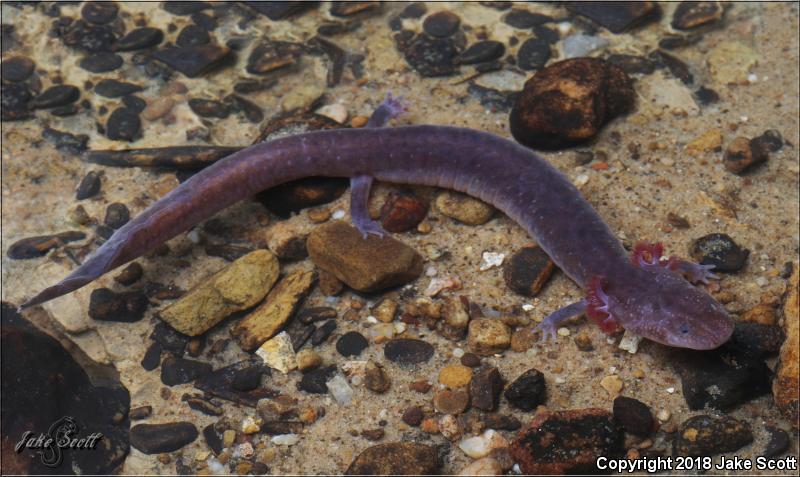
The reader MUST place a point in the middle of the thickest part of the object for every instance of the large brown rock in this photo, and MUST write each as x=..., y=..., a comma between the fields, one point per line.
x=366, y=265
x=787, y=378
x=396, y=458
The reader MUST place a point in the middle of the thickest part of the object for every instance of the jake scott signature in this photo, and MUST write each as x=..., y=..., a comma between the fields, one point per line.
x=61, y=435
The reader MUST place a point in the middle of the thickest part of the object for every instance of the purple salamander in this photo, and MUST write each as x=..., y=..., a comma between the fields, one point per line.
x=645, y=295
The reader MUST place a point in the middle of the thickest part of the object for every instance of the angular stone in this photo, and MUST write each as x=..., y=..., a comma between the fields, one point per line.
x=485, y=388
x=160, y=438
x=528, y=270
x=396, y=458
x=192, y=61
x=278, y=353
x=488, y=336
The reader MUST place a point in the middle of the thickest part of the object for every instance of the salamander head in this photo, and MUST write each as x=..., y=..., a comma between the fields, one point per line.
x=661, y=306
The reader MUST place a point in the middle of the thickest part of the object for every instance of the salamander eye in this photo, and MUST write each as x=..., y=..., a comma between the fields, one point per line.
x=684, y=329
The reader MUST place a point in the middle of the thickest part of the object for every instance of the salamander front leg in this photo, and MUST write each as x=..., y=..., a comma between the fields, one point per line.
x=359, y=208
x=549, y=327
x=390, y=108
x=693, y=272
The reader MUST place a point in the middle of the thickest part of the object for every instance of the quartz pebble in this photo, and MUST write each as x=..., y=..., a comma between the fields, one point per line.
x=340, y=390
x=278, y=353
x=480, y=446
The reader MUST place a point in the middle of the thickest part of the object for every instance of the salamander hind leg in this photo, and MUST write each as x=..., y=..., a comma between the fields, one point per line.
x=548, y=328
x=359, y=208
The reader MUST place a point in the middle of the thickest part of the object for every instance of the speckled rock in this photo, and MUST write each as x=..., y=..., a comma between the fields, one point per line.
x=369, y=264
x=396, y=458
x=742, y=154
x=787, y=377
x=236, y=287
x=707, y=435
x=527, y=271
x=464, y=208
x=488, y=336
x=721, y=251
x=455, y=376
x=485, y=388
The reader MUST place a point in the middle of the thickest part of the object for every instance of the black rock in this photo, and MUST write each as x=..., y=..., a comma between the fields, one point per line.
x=778, y=442
x=99, y=12
x=111, y=88
x=123, y=125
x=87, y=37
x=192, y=61
x=705, y=96
x=64, y=141
x=139, y=39
x=185, y=8
x=141, y=412
x=204, y=21
x=634, y=416
x=632, y=64
x=314, y=380
x=441, y=24
x=546, y=34
x=408, y=351
x=317, y=313
x=689, y=15
x=528, y=270
x=106, y=305
x=104, y=232
x=89, y=186
x=485, y=388
x=273, y=55
x=220, y=383
x=675, y=65
x=754, y=339
x=299, y=333
x=280, y=10
x=432, y=56
x=14, y=98
x=707, y=435
x=346, y=9
x=134, y=102
x=213, y=439
x=533, y=54
x=414, y=10
x=117, y=215
x=57, y=95
x=101, y=62
x=297, y=195
x=229, y=252
x=160, y=438
x=524, y=19
x=181, y=370
x=673, y=42
x=206, y=406
x=527, y=391
x=152, y=357
x=170, y=340
x=770, y=141
x=208, y=108
x=617, y=16
x=193, y=35
x=16, y=69
x=351, y=344
x=321, y=334
x=247, y=378
x=38, y=246
x=248, y=86
x=721, y=251
x=482, y=51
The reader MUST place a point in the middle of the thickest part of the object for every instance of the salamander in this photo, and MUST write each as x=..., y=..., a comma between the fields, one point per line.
x=645, y=294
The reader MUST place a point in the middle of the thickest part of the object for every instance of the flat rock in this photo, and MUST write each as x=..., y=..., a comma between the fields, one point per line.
x=408, y=351
x=464, y=208
x=236, y=287
x=488, y=336
x=616, y=17
x=160, y=438
x=527, y=271
x=708, y=435
x=396, y=458
x=126, y=307
x=139, y=39
x=278, y=353
x=192, y=61
x=787, y=381
x=485, y=388
x=222, y=383
x=180, y=370
x=366, y=265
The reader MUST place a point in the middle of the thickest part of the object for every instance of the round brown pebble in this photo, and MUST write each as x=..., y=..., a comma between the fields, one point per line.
x=403, y=212
x=413, y=416
x=742, y=154
x=471, y=359
x=421, y=386
x=455, y=375
x=453, y=401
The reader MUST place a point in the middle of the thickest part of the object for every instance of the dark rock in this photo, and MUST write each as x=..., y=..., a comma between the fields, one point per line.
x=314, y=380
x=34, y=247
x=123, y=125
x=373, y=434
x=251, y=111
x=497, y=5
x=567, y=442
x=545, y=116
x=285, y=199
x=403, y=212
x=413, y=416
x=778, y=442
x=481, y=52
x=337, y=28
x=299, y=333
x=493, y=99
x=634, y=416
x=546, y=34
x=117, y=215
x=139, y=39
x=99, y=12
x=527, y=391
x=152, y=357
x=397, y=458
x=335, y=54
x=500, y=422
x=441, y=24
x=159, y=291
x=632, y=64
x=106, y=305
x=280, y=10
x=317, y=313
x=213, y=439
x=274, y=428
x=134, y=102
x=273, y=55
x=110, y=88
x=193, y=35
x=414, y=10
x=616, y=16
x=247, y=378
x=42, y=384
x=432, y=56
x=208, y=108
x=346, y=9
x=524, y=19
x=141, y=412
x=675, y=65
x=204, y=21
x=14, y=98
x=192, y=61
x=408, y=351
x=104, y=232
x=160, y=438
x=169, y=339
x=689, y=15
x=321, y=334
x=181, y=370
x=707, y=435
x=742, y=154
x=471, y=360
x=376, y=379
x=485, y=388
x=298, y=123
x=101, y=62
x=721, y=251
x=528, y=270
x=17, y=68
x=451, y=401
x=770, y=141
x=705, y=96
x=64, y=141
x=185, y=8
x=89, y=186
x=220, y=383
x=130, y=274
x=87, y=37
x=351, y=344
x=673, y=42
x=206, y=406
x=229, y=252
x=755, y=339
x=57, y=95
x=64, y=111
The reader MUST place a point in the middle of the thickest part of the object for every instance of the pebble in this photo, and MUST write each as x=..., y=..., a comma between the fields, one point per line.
x=523, y=19
x=139, y=413
x=369, y=264
x=721, y=251
x=323, y=332
x=58, y=95
x=314, y=380
x=139, y=39
x=485, y=388
x=488, y=336
x=527, y=271
x=451, y=401
x=192, y=61
x=578, y=45
x=456, y=318
x=617, y=18
x=464, y=208
x=527, y=391
x=455, y=376
x=89, y=186
x=117, y=215
x=385, y=310
x=408, y=351
x=33, y=247
x=181, y=370
x=287, y=199
x=441, y=24
x=278, y=353
x=612, y=384
x=285, y=439
x=123, y=125
x=252, y=112
x=99, y=12
x=471, y=359
x=432, y=56
x=590, y=92
x=414, y=10
x=90, y=38
x=106, y=305
x=160, y=438
x=778, y=442
x=16, y=69
x=351, y=344
x=413, y=416
x=207, y=108
x=482, y=52
x=375, y=378
x=101, y=62
x=192, y=35
x=482, y=445
x=273, y=55
x=15, y=98
x=403, y=212
x=185, y=8
x=340, y=390
x=770, y=141
x=483, y=466
x=336, y=111
x=533, y=54
x=690, y=15
x=152, y=357
x=280, y=10
x=314, y=314
x=632, y=64
x=246, y=378
x=308, y=359
x=421, y=386
x=397, y=458
x=630, y=342
x=705, y=435
x=634, y=416
x=742, y=154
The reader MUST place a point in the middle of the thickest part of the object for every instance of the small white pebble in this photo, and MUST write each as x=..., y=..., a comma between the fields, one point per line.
x=581, y=180
x=491, y=259
x=458, y=352
x=527, y=307
x=399, y=328
x=356, y=380
x=383, y=414
x=560, y=380
x=336, y=111
x=752, y=78
x=630, y=342
x=670, y=390
x=431, y=271
x=216, y=467
x=668, y=161
x=612, y=369
x=744, y=119
x=371, y=319
x=338, y=214
x=516, y=469
x=193, y=236
x=563, y=332
x=663, y=415
x=762, y=282
x=285, y=439
x=340, y=390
